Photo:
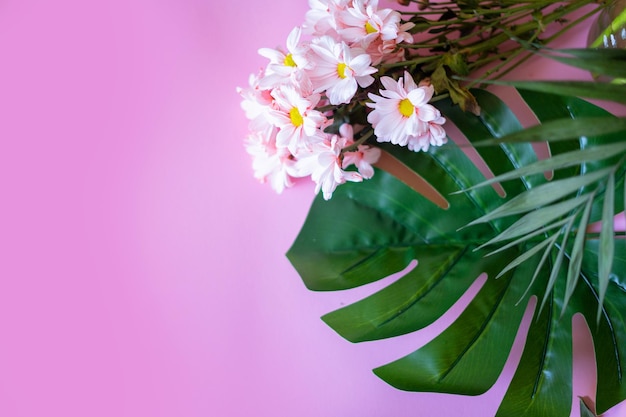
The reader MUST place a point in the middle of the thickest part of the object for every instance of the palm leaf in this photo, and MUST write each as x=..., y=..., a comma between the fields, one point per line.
x=606, y=61
x=374, y=229
x=587, y=89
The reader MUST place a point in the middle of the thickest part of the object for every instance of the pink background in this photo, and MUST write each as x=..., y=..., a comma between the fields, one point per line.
x=142, y=268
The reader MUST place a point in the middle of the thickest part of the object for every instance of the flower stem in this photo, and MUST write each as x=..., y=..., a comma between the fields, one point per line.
x=359, y=141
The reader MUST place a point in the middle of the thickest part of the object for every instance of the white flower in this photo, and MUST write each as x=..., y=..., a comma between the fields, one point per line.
x=402, y=114
x=270, y=164
x=434, y=136
x=385, y=52
x=339, y=69
x=299, y=123
x=321, y=18
x=323, y=163
x=363, y=23
x=363, y=157
x=257, y=102
x=286, y=66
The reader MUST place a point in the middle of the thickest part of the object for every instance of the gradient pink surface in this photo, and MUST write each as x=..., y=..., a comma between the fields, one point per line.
x=142, y=268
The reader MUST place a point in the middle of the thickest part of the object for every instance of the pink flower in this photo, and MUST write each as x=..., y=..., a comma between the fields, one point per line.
x=323, y=163
x=299, y=123
x=270, y=164
x=339, y=70
x=321, y=18
x=363, y=23
x=363, y=158
x=255, y=98
x=285, y=66
x=385, y=52
x=434, y=136
x=402, y=114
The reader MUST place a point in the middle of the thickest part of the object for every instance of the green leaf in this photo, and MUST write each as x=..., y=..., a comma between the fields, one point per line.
x=455, y=361
x=605, y=61
x=563, y=129
x=534, y=234
x=564, y=160
x=607, y=240
x=548, y=243
x=587, y=89
x=549, y=107
x=415, y=300
x=556, y=268
x=537, y=219
x=573, y=272
x=609, y=339
x=370, y=230
x=543, y=194
x=524, y=256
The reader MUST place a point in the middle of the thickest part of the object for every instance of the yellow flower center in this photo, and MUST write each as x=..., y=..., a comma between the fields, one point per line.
x=406, y=108
x=296, y=117
x=341, y=70
x=369, y=28
x=288, y=61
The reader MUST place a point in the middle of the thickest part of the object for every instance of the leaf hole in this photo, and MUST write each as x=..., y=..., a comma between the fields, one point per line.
x=526, y=117
x=466, y=146
x=395, y=167
x=515, y=354
x=584, y=364
x=543, y=152
x=404, y=344
x=619, y=224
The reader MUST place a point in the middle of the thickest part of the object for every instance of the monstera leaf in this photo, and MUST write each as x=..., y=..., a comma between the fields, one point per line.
x=370, y=230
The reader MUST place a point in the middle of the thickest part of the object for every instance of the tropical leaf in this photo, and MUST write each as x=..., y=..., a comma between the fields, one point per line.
x=606, y=61
x=587, y=89
x=371, y=230
x=585, y=411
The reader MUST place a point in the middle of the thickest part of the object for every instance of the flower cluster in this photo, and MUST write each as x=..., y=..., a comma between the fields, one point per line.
x=299, y=125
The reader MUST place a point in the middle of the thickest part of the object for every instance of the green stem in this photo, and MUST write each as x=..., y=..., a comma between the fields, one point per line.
x=483, y=12
x=572, y=24
x=547, y=41
x=418, y=61
x=481, y=45
x=359, y=141
x=497, y=40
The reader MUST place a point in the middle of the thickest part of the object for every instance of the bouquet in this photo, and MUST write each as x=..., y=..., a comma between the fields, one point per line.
x=362, y=92
x=354, y=71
